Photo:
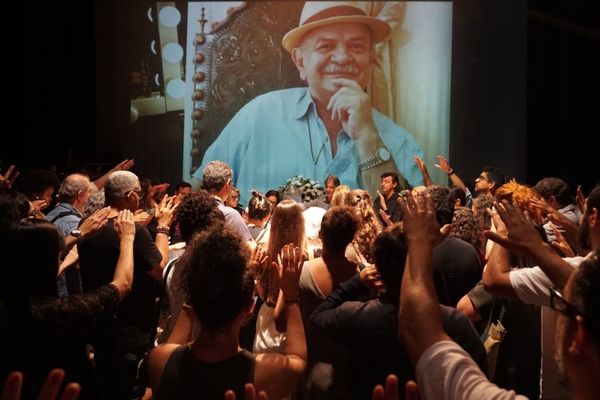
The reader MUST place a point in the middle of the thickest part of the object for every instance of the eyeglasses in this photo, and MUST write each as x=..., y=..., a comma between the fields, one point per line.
x=560, y=304
x=481, y=178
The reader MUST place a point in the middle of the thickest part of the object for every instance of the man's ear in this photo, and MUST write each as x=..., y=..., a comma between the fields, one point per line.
x=299, y=62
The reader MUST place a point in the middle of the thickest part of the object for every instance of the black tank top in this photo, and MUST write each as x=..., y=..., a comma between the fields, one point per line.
x=185, y=377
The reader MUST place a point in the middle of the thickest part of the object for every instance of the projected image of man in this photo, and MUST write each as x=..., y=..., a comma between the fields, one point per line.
x=329, y=127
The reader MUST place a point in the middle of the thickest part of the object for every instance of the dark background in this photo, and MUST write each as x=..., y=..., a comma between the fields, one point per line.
x=524, y=90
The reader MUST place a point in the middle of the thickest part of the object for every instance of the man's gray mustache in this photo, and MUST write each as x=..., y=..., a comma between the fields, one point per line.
x=345, y=69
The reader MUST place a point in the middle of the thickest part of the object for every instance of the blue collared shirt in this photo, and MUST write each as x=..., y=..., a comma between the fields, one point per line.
x=68, y=222
x=279, y=135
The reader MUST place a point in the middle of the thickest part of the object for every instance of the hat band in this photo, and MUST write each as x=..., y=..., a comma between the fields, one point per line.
x=339, y=11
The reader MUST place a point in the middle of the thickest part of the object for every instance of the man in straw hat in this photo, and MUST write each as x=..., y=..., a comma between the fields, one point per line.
x=328, y=128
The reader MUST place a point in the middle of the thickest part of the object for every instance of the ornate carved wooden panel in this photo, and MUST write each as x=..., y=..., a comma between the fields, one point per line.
x=243, y=58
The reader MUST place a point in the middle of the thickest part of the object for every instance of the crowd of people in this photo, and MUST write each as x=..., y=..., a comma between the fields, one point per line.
x=132, y=292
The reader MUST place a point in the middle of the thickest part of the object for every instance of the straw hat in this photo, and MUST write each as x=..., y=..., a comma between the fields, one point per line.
x=319, y=13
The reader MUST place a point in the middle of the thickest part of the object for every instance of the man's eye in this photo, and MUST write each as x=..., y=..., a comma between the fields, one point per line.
x=357, y=46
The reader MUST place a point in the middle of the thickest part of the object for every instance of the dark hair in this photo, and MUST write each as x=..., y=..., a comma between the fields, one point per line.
x=258, y=206
x=334, y=179
x=197, y=212
x=14, y=206
x=215, y=175
x=554, y=187
x=393, y=174
x=586, y=286
x=465, y=226
x=459, y=193
x=593, y=199
x=495, y=175
x=390, y=251
x=443, y=200
x=35, y=181
x=218, y=283
x=31, y=259
x=338, y=228
x=181, y=185
x=275, y=193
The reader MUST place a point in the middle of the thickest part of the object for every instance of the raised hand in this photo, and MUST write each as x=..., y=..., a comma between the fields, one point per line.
x=289, y=269
x=580, y=199
x=520, y=235
x=124, y=165
x=443, y=164
x=94, y=223
x=352, y=106
x=370, y=277
x=124, y=224
x=390, y=392
x=420, y=164
x=142, y=217
x=7, y=179
x=385, y=218
x=382, y=201
x=50, y=390
x=419, y=220
x=251, y=393
x=165, y=210
x=561, y=243
x=258, y=259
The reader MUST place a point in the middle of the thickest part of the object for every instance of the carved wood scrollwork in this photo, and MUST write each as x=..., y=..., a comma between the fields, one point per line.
x=245, y=59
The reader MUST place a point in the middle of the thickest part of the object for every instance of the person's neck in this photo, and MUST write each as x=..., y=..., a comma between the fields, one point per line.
x=114, y=210
x=217, y=345
x=257, y=222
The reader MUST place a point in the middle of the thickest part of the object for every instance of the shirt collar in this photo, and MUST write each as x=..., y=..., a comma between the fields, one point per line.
x=303, y=105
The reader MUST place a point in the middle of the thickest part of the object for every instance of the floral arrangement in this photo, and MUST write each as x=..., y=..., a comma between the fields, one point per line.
x=306, y=189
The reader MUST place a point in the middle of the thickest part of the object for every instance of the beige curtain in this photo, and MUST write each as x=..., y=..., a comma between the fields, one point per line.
x=410, y=80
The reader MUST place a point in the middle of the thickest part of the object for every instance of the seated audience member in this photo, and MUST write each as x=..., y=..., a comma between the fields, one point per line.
x=327, y=363
x=370, y=329
x=480, y=206
x=465, y=226
x=45, y=331
x=220, y=289
x=444, y=370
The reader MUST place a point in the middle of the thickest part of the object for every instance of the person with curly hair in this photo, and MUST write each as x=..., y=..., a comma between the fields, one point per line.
x=369, y=227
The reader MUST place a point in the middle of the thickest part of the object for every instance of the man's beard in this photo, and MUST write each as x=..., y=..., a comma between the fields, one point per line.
x=584, y=233
x=559, y=359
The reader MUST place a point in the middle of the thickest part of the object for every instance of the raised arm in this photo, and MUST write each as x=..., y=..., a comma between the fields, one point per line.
x=423, y=168
x=123, y=276
x=522, y=238
x=124, y=165
x=445, y=167
x=420, y=319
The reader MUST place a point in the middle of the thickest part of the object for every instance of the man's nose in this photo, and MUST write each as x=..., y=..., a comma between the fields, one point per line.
x=341, y=54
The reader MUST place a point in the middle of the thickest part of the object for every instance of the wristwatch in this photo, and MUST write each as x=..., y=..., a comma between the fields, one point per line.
x=381, y=155
x=77, y=233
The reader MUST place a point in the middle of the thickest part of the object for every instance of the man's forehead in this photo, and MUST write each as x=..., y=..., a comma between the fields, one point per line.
x=348, y=31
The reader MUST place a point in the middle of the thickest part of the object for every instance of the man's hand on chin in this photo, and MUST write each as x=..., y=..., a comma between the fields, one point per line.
x=351, y=105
